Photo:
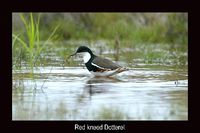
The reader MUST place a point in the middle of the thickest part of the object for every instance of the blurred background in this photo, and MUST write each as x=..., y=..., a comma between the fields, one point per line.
x=136, y=27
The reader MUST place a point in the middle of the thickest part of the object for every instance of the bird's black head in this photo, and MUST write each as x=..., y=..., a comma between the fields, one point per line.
x=82, y=49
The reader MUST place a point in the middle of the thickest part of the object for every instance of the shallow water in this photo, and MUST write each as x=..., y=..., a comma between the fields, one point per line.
x=72, y=93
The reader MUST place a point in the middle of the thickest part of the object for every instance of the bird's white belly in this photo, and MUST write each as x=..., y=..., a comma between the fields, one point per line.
x=109, y=72
x=105, y=73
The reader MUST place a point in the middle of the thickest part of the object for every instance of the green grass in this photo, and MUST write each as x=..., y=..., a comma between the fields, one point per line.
x=33, y=43
x=28, y=51
x=138, y=27
x=28, y=43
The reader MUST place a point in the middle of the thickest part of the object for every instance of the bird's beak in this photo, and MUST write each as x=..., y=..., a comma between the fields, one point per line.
x=70, y=56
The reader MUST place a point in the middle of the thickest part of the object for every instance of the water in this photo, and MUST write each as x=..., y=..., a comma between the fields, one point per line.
x=72, y=93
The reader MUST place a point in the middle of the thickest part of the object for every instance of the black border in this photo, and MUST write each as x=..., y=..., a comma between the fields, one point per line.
x=79, y=6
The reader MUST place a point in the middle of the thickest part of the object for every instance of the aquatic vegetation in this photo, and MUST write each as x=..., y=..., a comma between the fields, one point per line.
x=29, y=44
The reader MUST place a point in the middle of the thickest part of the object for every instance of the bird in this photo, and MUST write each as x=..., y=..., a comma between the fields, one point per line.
x=98, y=66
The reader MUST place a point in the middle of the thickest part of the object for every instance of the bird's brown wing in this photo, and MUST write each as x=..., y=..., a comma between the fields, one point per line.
x=105, y=63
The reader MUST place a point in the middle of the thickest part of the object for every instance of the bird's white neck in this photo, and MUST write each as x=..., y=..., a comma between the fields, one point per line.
x=86, y=56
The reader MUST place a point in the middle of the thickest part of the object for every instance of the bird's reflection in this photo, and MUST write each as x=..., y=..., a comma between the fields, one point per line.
x=98, y=85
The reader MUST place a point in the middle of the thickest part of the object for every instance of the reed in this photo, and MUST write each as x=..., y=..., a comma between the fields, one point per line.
x=30, y=42
x=28, y=46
